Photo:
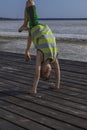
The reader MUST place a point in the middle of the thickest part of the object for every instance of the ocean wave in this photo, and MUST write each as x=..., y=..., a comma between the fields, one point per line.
x=71, y=37
x=13, y=35
x=59, y=37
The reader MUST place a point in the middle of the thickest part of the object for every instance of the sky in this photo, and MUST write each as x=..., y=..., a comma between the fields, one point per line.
x=45, y=8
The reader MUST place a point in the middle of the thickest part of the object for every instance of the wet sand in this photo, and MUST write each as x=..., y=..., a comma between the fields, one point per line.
x=76, y=51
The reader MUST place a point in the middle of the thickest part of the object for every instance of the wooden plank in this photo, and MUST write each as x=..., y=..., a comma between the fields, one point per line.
x=71, y=98
x=6, y=125
x=63, y=91
x=21, y=56
x=65, y=109
x=15, y=68
x=27, y=75
x=27, y=82
x=61, y=99
x=58, y=123
x=33, y=68
x=31, y=115
x=20, y=120
x=18, y=57
x=48, y=103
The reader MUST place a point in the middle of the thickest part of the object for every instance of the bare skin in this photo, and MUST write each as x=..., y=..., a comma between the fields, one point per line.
x=38, y=69
x=26, y=28
x=45, y=70
x=46, y=66
x=57, y=74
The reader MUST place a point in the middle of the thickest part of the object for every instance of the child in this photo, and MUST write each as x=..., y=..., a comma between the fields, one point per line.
x=47, y=52
x=30, y=16
x=45, y=44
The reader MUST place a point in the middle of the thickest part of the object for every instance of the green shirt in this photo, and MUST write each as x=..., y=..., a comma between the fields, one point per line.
x=44, y=41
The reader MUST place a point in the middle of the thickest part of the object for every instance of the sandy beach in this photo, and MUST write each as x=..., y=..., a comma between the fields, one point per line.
x=73, y=50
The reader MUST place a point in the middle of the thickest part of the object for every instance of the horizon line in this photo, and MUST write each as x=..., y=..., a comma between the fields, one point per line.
x=4, y=18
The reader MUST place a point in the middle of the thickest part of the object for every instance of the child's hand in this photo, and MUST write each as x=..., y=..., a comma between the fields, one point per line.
x=27, y=56
x=53, y=86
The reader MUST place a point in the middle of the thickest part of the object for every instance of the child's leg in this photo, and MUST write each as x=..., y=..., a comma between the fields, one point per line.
x=24, y=26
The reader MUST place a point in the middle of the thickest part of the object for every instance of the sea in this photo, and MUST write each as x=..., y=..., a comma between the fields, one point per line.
x=71, y=36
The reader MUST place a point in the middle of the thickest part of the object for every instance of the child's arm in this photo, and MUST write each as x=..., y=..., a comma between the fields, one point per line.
x=37, y=73
x=57, y=73
x=27, y=52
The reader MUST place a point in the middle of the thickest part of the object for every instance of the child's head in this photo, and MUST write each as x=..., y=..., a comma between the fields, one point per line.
x=45, y=71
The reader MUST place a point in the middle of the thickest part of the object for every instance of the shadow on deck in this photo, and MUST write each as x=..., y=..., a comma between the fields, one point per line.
x=64, y=109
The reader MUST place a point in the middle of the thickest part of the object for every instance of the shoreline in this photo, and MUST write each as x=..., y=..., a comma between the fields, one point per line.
x=58, y=39
x=67, y=50
x=11, y=19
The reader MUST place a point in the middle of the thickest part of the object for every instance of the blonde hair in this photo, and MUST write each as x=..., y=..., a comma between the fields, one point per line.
x=43, y=74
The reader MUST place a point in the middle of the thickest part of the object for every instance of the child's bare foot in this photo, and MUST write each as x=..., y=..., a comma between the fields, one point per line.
x=22, y=28
x=52, y=86
x=33, y=91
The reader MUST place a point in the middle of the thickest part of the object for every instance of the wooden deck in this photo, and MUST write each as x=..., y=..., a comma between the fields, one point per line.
x=64, y=109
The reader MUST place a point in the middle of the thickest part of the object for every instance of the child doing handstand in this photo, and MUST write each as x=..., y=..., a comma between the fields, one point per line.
x=45, y=44
x=47, y=52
